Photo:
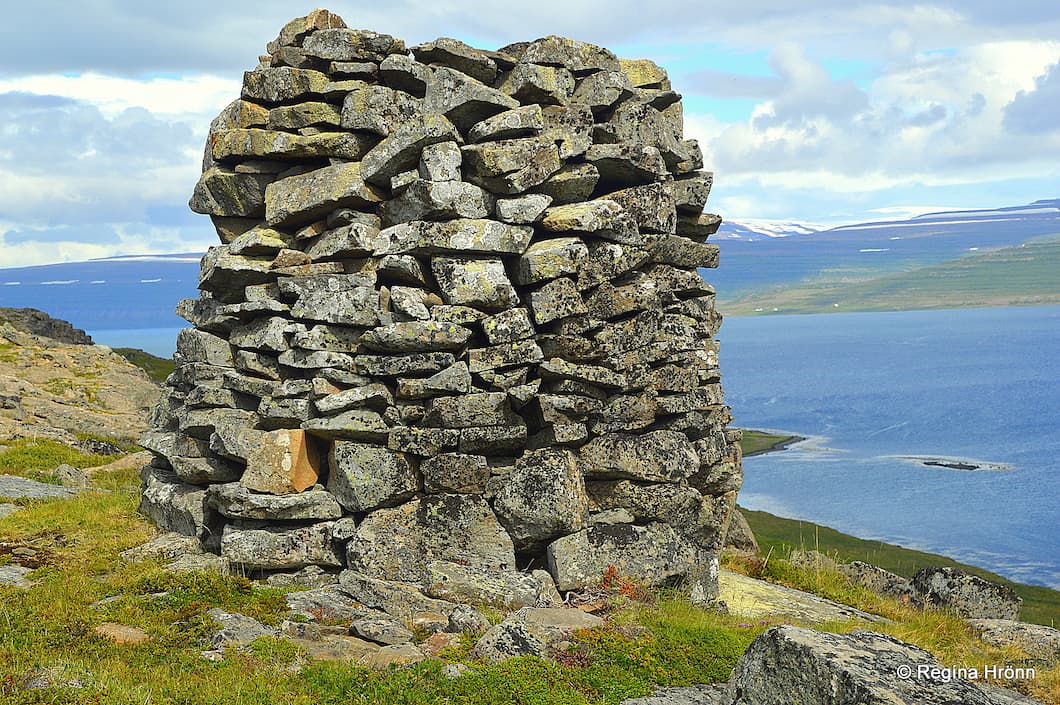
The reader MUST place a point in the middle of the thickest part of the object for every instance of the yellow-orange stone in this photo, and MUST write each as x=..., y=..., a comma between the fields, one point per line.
x=284, y=462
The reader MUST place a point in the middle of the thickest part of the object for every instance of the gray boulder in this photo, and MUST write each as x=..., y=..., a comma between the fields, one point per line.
x=861, y=668
x=654, y=553
x=398, y=543
x=965, y=594
x=267, y=547
x=542, y=498
x=365, y=476
x=1038, y=640
x=878, y=580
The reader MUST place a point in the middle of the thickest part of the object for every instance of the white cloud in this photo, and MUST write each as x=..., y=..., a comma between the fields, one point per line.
x=185, y=96
x=935, y=120
x=1037, y=110
x=68, y=245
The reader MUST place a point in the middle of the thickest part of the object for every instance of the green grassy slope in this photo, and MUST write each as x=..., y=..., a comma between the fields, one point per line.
x=157, y=368
x=1024, y=275
x=1040, y=605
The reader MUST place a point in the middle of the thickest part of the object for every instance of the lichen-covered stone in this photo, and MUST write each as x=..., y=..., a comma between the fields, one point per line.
x=862, y=668
x=966, y=594
x=271, y=144
x=399, y=543
x=455, y=473
x=235, y=501
x=306, y=197
x=282, y=84
x=377, y=109
x=460, y=236
x=556, y=299
x=511, y=166
x=343, y=44
x=278, y=548
x=462, y=99
x=438, y=200
x=525, y=121
x=364, y=477
x=401, y=149
x=549, y=259
x=227, y=193
x=456, y=55
x=542, y=498
x=653, y=553
x=482, y=283
x=658, y=456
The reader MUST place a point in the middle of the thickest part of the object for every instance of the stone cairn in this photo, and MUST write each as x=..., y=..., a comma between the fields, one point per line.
x=454, y=338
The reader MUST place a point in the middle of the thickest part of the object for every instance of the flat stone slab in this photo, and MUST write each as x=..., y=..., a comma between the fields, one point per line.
x=7, y=510
x=751, y=598
x=13, y=487
x=15, y=575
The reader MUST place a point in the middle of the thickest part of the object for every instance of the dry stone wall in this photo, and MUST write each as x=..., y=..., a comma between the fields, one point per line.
x=455, y=335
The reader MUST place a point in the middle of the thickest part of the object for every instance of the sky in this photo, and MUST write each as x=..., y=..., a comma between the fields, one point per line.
x=822, y=112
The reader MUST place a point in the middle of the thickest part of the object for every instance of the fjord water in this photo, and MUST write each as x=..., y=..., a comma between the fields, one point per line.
x=979, y=384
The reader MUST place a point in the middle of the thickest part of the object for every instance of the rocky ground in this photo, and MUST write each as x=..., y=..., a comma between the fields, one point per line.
x=56, y=390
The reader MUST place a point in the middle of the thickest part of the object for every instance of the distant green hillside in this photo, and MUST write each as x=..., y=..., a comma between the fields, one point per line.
x=779, y=535
x=1013, y=276
x=157, y=368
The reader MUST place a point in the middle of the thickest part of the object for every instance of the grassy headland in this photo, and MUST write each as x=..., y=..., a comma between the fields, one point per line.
x=758, y=442
x=1012, y=276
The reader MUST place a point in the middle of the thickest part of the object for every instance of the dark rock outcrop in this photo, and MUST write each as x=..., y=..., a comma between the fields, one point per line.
x=39, y=323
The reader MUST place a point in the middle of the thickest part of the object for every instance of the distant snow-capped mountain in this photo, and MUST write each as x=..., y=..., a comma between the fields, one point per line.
x=140, y=291
x=754, y=228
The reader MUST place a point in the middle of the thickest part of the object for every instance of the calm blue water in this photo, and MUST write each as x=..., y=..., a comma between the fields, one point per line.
x=157, y=341
x=981, y=384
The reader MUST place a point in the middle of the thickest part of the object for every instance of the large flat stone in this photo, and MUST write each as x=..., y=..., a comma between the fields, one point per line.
x=279, y=547
x=755, y=599
x=12, y=487
x=307, y=197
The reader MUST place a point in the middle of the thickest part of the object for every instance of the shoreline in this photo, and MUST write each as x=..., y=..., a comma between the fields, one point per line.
x=782, y=441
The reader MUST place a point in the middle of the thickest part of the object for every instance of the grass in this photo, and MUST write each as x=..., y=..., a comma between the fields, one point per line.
x=758, y=442
x=947, y=637
x=651, y=639
x=775, y=534
x=157, y=368
x=31, y=457
x=1012, y=276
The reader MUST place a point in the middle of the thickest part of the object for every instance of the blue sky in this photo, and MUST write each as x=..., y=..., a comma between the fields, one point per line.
x=821, y=112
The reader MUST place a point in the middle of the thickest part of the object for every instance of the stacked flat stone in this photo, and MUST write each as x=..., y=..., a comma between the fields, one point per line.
x=455, y=330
